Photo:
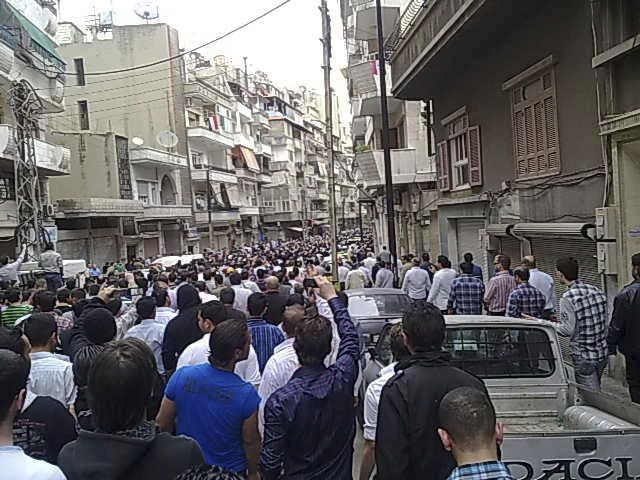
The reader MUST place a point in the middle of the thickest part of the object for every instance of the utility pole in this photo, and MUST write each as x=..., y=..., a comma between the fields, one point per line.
x=388, y=181
x=326, y=43
x=210, y=221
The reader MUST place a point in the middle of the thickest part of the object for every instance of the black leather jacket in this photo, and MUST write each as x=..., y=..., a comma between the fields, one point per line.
x=624, y=329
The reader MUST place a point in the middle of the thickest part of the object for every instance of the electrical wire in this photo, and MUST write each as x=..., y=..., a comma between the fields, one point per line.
x=187, y=52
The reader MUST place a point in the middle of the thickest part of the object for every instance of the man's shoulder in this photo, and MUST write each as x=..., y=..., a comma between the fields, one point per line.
x=33, y=468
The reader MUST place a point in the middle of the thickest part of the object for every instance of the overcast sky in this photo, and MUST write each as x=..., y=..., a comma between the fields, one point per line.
x=285, y=44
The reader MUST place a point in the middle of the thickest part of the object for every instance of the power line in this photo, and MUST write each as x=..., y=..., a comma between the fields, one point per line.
x=187, y=52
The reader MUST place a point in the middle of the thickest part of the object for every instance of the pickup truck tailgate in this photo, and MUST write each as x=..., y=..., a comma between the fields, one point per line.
x=611, y=455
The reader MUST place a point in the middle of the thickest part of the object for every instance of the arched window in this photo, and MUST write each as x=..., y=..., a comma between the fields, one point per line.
x=167, y=191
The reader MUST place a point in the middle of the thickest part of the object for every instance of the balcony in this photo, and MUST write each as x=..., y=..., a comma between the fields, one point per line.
x=164, y=212
x=244, y=111
x=406, y=167
x=263, y=149
x=214, y=140
x=430, y=35
x=281, y=141
x=242, y=139
x=215, y=175
x=205, y=94
x=262, y=119
x=264, y=178
x=249, y=211
x=51, y=160
x=98, y=207
x=246, y=174
x=156, y=158
x=366, y=26
x=218, y=216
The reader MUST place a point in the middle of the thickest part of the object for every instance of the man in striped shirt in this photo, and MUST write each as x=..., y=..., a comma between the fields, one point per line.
x=16, y=308
x=500, y=287
x=264, y=336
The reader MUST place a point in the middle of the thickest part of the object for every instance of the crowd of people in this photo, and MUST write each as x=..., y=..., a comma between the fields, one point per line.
x=244, y=364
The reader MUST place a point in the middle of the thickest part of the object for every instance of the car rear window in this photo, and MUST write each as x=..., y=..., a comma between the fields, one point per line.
x=378, y=305
x=490, y=352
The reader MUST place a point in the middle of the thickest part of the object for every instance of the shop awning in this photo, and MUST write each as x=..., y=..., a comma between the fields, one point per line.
x=38, y=36
x=249, y=158
x=233, y=193
x=585, y=230
x=499, y=229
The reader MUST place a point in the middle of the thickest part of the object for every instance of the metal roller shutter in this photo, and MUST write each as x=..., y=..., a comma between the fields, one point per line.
x=468, y=234
x=511, y=247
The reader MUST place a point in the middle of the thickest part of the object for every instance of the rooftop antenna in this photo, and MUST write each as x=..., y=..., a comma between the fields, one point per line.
x=147, y=10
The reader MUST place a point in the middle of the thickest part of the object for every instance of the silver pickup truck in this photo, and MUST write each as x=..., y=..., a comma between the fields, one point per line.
x=555, y=429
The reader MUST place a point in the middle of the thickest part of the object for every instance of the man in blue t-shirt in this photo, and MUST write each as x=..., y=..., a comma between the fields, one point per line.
x=214, y=406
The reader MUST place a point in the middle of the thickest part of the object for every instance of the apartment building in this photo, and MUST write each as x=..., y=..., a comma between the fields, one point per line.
x=412, y=148
x=524, y=149
x=28, y=51
x=129, y=193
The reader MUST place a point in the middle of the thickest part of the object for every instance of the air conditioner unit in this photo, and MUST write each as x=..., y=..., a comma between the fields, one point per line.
x=49, y=210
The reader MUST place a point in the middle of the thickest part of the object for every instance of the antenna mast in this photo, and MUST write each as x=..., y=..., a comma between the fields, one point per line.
x=27, y=107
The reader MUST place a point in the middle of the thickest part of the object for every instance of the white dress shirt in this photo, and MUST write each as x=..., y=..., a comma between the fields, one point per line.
x=198, y=353
x=242, y=295
x=439, y=293
x=372, y=401
x=416, y=283
x=151, y=333
x=544, y=282
x=279, y=369
x=206, y=297
x=52, y=376
x=17, y=465
x=164, y=315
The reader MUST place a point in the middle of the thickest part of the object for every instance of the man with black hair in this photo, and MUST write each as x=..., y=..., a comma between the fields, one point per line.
x=264, y=336
x=276, y=301
x=45, y=302
x=467, y=293
x=164, y=312
x=210, y=315
x=148, y=329
x=16, y=309
x=468, y=429
x=583, y=318
x=63, y=303
x=407, y=443
x=51, y=375
x=183, y=329
x=14, y=463
x=125, y=445
x=214, y=406
x=310, y=422
x=526, y=301
x=228, y=298
x=42, y=425
x=442, y=281
x=242, y=294
x=476, y=269
x=416, y=282
x=624, y=329
x=372, y=400
x=500, y=287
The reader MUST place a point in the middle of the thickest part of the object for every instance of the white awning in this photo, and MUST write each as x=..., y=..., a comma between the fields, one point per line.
x=585, y=230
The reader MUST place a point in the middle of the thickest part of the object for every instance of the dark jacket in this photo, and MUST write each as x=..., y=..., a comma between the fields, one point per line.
x=183, y=329
x=100, y=456
x=407, y=443
x=275, y=307
x=77, y=337
x=624, y=329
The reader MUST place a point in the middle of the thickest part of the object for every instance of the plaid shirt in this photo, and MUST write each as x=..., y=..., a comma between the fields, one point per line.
x=466, y=295
x=482, y=471
x=526, y=300
x=586, y=306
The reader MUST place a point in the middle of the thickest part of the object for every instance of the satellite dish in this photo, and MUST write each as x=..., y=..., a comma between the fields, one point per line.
x=147, y=10
x=167, y=139
x=137, y=141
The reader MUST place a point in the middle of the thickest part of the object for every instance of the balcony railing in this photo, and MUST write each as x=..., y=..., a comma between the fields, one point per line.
x=244, y=140
x=215, y=139
x=215, y=175
x=153, y=157
x=158, y=212
x=249, y=211
x=98, y=207
x=52, y=160
x=406, y=167
x=218, y=216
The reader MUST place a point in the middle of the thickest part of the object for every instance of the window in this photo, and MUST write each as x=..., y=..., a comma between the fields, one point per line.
x=428, y=120
x=286, y=205
x=535, y=126
x=147, y=192
x=267, y=203
x=7, y=187
x=79, y=67
x=196, y=159
x=459, y=157
x=292, y=157
x=194, y=120
x=83, y=112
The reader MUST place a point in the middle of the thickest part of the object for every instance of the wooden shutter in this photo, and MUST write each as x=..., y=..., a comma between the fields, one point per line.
x=444, y=167
x=475, y=157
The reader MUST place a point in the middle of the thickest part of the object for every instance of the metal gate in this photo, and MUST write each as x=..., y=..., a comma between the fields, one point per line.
x=511, y=247
x=468, y=235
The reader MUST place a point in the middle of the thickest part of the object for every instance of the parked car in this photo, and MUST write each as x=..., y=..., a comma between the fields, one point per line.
x=372, y=308
x=553, y=426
